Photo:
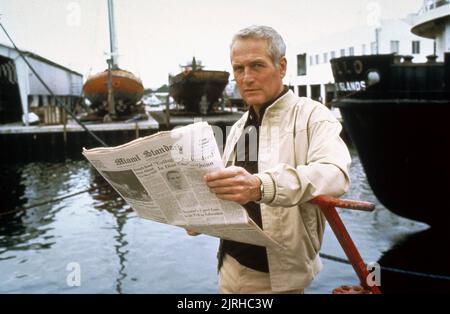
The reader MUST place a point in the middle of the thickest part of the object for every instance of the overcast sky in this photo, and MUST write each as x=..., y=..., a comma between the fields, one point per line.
x=155, y=36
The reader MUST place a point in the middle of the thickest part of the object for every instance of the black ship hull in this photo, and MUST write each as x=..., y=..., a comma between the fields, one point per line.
x=397, y=115
x=198, y=90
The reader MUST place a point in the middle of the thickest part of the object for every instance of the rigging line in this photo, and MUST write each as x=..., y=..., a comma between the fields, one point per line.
x=389, y=269
x=60, y=104
x=53, y=200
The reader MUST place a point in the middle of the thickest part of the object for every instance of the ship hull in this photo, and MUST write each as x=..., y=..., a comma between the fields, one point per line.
x=400, y=129
x=405, y=150
x=188, y=89
x=127, y=90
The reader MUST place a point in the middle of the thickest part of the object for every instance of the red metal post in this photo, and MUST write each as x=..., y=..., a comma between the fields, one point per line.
x=327, y=205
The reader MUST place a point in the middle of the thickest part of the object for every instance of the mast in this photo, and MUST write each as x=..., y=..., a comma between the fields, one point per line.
x=113, y=35
x=112, y=61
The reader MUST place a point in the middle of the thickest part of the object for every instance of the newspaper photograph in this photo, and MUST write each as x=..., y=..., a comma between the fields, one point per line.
x=161, y=177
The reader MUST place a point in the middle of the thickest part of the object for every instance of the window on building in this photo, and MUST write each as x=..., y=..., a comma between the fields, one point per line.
x=416, y=47
x=301, y=64
x=373, y=47
x=395, y=46
x=315, y=93
x=363, y=49
x=329, y=94
x=325, y=57
x=342, y=52
x=311, y=60
x=351, y=51
x=317, y=59
x=302, y=90
x=333, y=54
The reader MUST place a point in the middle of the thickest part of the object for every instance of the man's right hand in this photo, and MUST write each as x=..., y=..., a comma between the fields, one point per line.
x=192, y=233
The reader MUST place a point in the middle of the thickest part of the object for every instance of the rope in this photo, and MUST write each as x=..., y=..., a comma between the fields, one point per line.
x=50, y=201
x=389, y=269
x=60, y=104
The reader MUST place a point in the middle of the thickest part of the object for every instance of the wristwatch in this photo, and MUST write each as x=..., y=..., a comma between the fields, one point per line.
x=261, y=189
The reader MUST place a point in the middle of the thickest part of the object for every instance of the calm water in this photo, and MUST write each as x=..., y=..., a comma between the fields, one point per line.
x=117, y=252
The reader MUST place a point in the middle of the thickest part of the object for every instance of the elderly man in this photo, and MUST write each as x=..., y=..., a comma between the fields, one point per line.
x=298, y=155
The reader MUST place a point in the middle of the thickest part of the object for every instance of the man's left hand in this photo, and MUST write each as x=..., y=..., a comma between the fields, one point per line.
x=234, y=184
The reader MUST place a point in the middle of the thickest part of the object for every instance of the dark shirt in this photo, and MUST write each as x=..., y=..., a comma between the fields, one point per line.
x=250, y=255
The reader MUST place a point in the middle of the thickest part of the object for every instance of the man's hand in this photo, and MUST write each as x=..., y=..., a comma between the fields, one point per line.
x=234, y=184
x=192, y=233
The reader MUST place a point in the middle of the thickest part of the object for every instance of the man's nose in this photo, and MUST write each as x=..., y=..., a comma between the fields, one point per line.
x=248, y=77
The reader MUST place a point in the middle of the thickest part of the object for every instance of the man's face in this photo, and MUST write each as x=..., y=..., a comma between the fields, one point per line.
x=258, y=79
x=175, y=179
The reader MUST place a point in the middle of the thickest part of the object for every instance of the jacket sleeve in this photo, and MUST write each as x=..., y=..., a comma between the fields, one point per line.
x=325, y=172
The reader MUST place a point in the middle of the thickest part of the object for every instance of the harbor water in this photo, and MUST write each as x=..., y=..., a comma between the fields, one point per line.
x=97, y=235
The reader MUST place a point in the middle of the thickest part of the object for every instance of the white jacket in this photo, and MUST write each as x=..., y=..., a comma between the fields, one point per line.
x=300, y=157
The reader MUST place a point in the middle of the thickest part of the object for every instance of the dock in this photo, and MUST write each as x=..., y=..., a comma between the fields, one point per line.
x=57, y=142
x=65, y=141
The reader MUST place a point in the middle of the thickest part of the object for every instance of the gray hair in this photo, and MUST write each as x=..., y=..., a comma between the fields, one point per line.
x=276, y=47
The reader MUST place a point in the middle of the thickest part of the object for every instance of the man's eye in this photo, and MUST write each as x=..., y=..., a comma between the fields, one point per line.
x=237, y=69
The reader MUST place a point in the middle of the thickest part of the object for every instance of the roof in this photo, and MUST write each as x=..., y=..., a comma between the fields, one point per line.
x=42, y=59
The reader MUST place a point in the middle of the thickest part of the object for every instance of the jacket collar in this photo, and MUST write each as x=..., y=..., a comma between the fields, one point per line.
x=280, y=105
x=253, y=117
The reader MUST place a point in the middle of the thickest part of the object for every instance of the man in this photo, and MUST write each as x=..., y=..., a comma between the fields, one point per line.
x=175, y=179
x=299, y=155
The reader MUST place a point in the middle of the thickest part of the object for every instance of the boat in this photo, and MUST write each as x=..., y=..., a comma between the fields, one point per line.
x=114, y=92
x=42, y=113
x=397, y=115
x=196, y=89
x=126, y=88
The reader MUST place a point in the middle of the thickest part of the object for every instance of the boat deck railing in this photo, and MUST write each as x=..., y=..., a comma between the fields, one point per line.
x=429, y=5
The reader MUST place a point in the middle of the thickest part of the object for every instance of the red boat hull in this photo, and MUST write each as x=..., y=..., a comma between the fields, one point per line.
x=127, y=89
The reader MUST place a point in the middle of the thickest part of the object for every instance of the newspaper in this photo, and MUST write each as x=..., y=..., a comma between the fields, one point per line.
x=161, y=177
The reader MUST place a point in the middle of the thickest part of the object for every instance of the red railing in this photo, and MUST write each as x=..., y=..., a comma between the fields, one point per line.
x=328, y=206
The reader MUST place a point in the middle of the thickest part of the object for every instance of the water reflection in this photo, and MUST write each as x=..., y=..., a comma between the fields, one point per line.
x=423, y=252
x=11, y=187
x=110, y=201
x=35, y=182
x=120, y=253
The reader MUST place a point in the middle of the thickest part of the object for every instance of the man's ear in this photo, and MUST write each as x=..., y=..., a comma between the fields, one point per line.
x=283, y=66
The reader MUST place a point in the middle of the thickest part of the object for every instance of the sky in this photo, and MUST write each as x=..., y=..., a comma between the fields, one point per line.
x=156, y=36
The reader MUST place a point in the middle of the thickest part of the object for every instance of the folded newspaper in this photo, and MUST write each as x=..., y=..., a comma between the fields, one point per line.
x=161, y=177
